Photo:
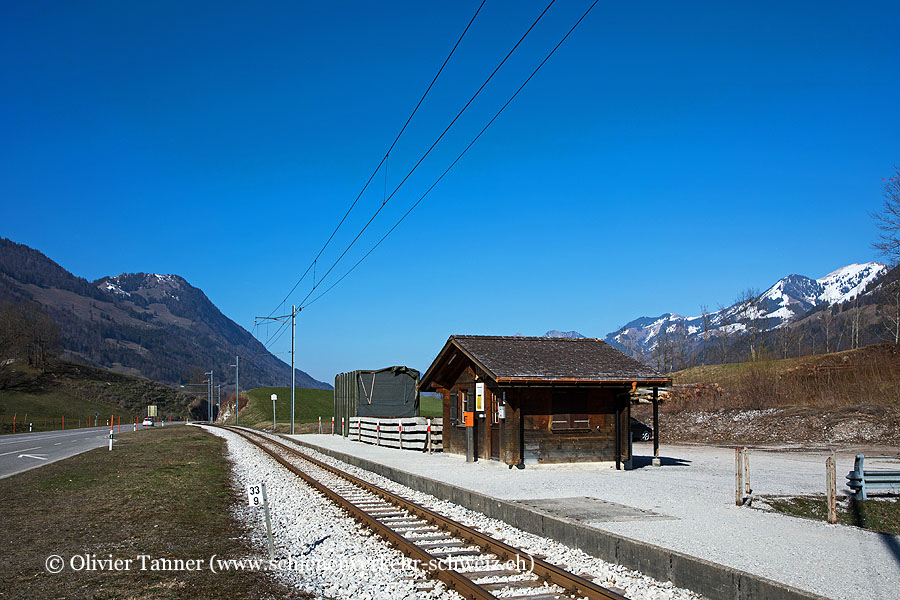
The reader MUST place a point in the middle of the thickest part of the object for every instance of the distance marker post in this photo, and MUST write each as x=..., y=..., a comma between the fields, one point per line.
x=256, y=494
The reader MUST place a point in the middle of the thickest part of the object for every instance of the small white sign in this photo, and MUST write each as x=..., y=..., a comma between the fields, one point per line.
x=255, y=494
x=479, y=397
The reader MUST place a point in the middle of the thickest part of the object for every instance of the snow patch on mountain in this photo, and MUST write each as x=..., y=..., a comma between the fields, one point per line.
x=109, y=286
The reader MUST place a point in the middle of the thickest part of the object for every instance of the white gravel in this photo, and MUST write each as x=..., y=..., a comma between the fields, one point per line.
x=632, y=584
x=695, y=487
x=319, y=549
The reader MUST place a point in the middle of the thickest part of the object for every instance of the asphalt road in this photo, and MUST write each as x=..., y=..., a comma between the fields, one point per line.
x=22, y=451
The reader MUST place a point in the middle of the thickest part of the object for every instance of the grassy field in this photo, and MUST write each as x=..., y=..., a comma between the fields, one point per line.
x=867, y=376
x=77, y=392
x=876, y=515
x=162, y=492
x=309, y=405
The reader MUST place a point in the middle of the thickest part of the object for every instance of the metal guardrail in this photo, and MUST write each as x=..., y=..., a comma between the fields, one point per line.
x=861, y=480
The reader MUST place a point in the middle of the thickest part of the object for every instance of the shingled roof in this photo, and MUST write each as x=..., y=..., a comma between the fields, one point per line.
x=522, y=359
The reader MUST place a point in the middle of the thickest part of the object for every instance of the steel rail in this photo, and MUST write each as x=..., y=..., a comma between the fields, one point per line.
x=550, y=573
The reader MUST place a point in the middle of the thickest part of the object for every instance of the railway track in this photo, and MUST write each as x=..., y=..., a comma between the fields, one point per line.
x=473, y=564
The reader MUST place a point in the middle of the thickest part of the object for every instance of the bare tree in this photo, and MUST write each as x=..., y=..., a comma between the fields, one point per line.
x=25, y=334
x=890, y=309
x=706, y=324
x=888, y=220
x=12, y=341
x=827, y=318
x=680, y=345
x=749, y=312
x=723, y=333
x=786, y=338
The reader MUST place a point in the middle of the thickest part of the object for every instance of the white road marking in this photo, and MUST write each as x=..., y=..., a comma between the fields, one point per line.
x=25, y=450
x=57, y=444
x=36, y=436
x=33, y=456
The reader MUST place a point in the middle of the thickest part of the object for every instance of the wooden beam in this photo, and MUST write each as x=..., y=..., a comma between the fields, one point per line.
x=655, y=422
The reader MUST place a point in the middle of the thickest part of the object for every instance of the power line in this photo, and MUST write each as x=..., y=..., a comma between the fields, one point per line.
x=461, y=154
x=427, y=152
x=383, y=159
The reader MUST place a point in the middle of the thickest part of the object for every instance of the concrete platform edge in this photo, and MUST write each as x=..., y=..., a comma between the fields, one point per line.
x=712, y=580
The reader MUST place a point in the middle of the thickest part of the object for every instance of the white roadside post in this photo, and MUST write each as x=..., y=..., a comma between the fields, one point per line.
x=274, y=424
x=256, y=494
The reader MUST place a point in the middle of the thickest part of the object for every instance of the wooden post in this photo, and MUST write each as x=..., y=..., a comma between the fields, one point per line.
x=656, y=424
x=746, y=471
x=64, y=422
x=831, y=487
x=738, y=486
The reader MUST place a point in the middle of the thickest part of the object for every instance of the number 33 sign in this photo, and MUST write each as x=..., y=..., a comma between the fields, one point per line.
x=255, y=494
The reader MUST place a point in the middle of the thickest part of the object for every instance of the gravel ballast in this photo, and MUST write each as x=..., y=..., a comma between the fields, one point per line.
x=695, y=489
x=319, y=518
x=332, y=556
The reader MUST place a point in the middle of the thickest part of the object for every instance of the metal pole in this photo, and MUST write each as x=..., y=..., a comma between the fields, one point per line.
x=268, y=523
x=274, y=423
x=209, y=383
x=293, y=373
x=237, y=389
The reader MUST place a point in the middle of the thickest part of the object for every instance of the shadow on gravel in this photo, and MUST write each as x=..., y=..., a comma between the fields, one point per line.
x=888, y=539
x=640, y=462
x=312, y=546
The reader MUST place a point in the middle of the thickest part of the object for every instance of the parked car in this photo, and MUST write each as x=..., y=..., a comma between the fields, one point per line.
x=639, y=431
x=148, y=422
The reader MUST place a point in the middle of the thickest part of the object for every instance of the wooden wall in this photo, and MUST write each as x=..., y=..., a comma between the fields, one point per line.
x=525, y=434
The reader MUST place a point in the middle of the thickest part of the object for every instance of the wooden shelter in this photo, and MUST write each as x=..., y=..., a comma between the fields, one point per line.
x=537, y=400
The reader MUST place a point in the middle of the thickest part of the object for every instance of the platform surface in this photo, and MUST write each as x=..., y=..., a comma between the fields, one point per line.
x=687, y=505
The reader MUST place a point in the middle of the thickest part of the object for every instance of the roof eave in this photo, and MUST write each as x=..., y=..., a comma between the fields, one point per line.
x=661, y=381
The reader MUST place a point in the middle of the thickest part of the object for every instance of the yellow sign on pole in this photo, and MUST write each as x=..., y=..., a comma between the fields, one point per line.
x=479, y=397
x=151, y=410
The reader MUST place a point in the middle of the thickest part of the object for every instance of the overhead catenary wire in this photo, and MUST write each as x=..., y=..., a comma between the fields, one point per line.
x=383, y=159
x=427, y=152
x=457, y=159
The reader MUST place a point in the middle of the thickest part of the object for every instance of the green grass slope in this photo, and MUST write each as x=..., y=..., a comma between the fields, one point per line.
x=309, y=405
x=77, y=392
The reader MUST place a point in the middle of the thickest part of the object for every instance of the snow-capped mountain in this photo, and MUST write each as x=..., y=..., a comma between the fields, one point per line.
x=555, y=333
x=786, y=300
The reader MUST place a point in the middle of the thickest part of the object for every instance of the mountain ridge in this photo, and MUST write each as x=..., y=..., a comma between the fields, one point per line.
x=787, y=300
x=157, y=326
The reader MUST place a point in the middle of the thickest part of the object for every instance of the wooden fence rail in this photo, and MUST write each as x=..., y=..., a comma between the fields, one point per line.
x=410, y=433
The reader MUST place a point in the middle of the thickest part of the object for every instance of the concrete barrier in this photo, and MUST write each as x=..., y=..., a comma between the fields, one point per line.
x=712, y=580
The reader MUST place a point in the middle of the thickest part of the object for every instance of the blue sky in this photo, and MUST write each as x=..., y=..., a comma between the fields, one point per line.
x=669, y=155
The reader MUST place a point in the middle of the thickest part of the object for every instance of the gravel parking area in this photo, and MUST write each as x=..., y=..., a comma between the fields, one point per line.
x=695, y=488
